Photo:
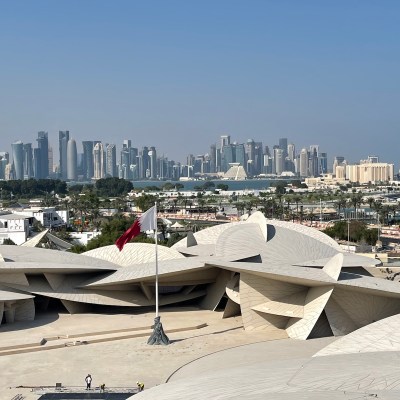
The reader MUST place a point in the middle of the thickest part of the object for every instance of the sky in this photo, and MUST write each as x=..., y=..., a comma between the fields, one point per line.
x=177, y=74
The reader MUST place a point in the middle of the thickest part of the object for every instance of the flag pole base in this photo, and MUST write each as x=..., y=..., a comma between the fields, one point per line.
x=158, y=336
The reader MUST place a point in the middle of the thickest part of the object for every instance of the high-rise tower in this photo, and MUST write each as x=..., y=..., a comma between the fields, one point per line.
x=283, y=145
x=153, y=162
x=72, y=160
x=43, y=146
x=303, y=168
x=63, y=137
x=87, y=159
x=18, y=159
x=98, y=161
x=28, y=161
x=111, y=160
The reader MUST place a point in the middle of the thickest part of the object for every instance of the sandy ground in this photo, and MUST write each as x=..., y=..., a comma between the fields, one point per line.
x=115, y=363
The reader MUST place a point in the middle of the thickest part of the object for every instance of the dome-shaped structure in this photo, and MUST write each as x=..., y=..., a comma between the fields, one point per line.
x=133, y=253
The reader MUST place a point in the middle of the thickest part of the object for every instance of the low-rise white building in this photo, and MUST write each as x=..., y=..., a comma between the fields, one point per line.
x=49, y=217
x=14, y=227
x=326, y=181
x=83, y=237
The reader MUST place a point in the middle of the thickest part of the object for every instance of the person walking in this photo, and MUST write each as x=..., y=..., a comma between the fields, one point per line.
x=88, y=381
x=140, y=386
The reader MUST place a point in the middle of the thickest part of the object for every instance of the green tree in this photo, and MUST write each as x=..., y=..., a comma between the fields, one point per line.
x=145, y=201
x=113, y=187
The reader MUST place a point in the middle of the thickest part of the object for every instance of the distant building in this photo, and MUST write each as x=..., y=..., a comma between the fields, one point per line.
x=28, y=160
x=372, y=172
x=43, y=146
x=213, y=158
x=291, y=151
x=4, y=160
x=111, y=160
x=303, y=167
x=72, y=163
x=87, y=159
x=153, y=162
x=323, y=163
x=98, y=161
x=63, y=138
x=225, y=141
x=338, y=160
x=18, y=159
x=51, y=161
x=235, y=172
x=14, y=227
x=279, y=164
x=283, y=145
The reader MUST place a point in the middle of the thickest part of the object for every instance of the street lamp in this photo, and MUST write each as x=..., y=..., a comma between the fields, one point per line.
x=379, y=228
x=320, y=210
x=348, y=235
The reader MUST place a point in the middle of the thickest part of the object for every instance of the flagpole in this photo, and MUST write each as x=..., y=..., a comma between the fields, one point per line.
x=156, y=250
x=158, y=336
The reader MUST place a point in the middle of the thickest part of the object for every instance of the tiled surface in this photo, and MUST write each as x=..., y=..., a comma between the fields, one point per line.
x=383, y=335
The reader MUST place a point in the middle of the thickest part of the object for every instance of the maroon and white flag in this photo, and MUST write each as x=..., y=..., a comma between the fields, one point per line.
x=146, y=222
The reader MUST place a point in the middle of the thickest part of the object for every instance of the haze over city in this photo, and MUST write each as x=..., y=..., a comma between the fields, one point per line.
x=177, y=75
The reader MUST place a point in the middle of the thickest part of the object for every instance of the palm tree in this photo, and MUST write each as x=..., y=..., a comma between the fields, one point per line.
x=370, y=202
x=201, y=203
x=356, y=200
x=311, y=215
x=249, y=207
x=240, y=208
x=340, y=204
x=385, y=211
x=377, y=207
x=297, y=199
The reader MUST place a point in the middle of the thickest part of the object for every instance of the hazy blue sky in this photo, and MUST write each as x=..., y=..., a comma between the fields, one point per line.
x=178, y=74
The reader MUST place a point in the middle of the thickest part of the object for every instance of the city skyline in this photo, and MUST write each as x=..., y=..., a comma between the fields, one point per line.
x=54, y=143
x=178, y=75
x=225, y=158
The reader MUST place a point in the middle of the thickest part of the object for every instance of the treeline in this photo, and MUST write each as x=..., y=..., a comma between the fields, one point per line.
x=31, y=188
x=113, y=187
x=356, y=231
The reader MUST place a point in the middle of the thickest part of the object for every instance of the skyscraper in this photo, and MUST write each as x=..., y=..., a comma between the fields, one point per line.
x=18, y=159
x=28, y=161
x=87, y=160
x=213, y=159
x=36, y=163
x=283, y=145
x=43, y=146
x=225, y=141
x=303, y=168
x=291, y=151
x=4, y=160
x=250, y=156
x=144, y=170
x=63, y=137
x=313, y=166
x=98, y=161
x=51, y=161
x=323, y=163
x=233, y=153
x=111, y=160
x=72, y=160
x=278, y=161
x=153, y=162
x=258, y=158
x=227, y=157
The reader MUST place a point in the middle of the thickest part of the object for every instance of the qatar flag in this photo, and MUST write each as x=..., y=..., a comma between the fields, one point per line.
x=146, y=222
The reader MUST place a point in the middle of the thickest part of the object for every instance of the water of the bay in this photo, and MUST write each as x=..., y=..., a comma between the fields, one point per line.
x=249, y=184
